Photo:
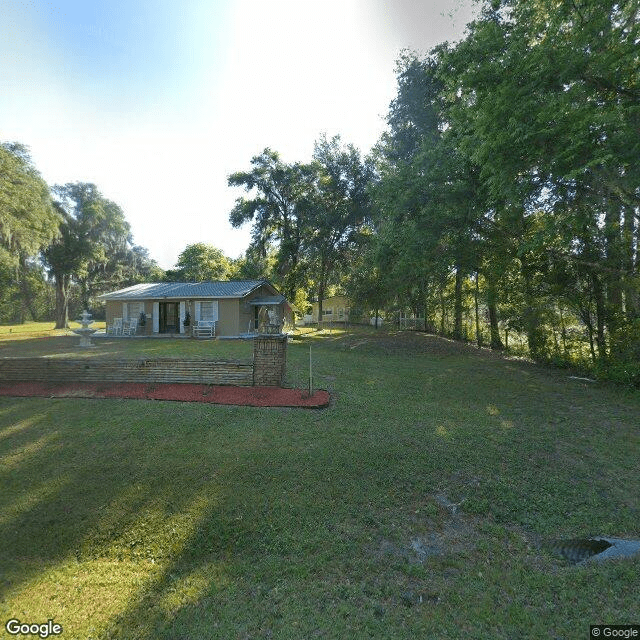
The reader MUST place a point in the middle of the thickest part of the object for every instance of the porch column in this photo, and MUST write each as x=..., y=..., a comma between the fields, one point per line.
x=155, y=317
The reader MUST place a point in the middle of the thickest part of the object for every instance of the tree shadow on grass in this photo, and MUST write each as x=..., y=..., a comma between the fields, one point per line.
x=127, y=519
x=91, y=490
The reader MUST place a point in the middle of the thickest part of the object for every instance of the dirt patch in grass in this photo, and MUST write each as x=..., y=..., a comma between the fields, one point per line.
x=242, y=396
x=409, y=342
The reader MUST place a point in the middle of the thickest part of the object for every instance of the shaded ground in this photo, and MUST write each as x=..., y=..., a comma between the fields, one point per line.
x=402, y=342
x=241, y=396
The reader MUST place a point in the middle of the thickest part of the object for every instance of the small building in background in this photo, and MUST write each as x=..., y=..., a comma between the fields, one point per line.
x=334, y=309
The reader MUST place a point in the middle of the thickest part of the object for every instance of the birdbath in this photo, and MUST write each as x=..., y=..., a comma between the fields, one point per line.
x=85, y=332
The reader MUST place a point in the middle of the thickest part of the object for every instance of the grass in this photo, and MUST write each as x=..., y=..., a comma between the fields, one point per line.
x=109, y=347
x=156, y=520
x=39, y=330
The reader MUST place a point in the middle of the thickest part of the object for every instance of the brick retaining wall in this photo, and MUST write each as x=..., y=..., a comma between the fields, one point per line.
x=143, y=370
x=268, y=368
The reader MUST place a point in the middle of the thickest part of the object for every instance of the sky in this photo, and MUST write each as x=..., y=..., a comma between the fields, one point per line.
x=158, y=101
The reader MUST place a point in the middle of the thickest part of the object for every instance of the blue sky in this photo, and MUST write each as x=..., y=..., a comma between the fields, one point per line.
x=157, y=102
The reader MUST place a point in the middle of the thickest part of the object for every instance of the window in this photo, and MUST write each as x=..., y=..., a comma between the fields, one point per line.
x=327, y=312
x=341, y=314
x=134, y=309
x=209, y=310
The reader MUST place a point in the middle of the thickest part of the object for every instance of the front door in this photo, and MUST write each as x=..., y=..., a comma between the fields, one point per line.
x=169, y=317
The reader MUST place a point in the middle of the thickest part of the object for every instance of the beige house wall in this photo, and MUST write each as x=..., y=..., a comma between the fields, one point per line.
x=334, y=304
x=227, y=324
x=111, y=310
x=114, y=309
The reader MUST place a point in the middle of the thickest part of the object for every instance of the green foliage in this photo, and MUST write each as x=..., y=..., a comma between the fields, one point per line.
x=93, y=250
x=201, y=262
x=277, y=211
x=307, y=218
x=255, y=264
x=623, y=367
x=513, y=155
x=339, y=212
x=28, y=221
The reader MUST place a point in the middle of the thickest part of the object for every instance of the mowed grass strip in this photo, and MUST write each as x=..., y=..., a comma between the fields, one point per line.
x=415, y=506
x=126, y=347
x=29, y=330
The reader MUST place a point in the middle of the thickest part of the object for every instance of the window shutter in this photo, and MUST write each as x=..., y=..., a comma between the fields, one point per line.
x=197, y=311
x=125, y=311
x=156, y=317
x=182, y=317
x=215, y=310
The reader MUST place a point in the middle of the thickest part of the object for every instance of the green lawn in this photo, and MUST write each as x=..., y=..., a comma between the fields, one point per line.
x=39, y=330
x=158, y=520
x=110, y=347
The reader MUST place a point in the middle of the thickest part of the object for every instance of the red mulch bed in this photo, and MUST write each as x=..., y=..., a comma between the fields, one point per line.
x=243, y=396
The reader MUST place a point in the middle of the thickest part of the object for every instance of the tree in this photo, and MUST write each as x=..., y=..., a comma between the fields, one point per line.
x=281, y=200
x=339, y=211
x=253, y=265
x=200, y=262
x=548, y=96
x=93, y=231
x=27, y=217
x=28, y=222
x=429, y=198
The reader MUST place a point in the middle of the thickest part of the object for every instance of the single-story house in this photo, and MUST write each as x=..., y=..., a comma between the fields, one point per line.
x=334, y=309
x=233, y=306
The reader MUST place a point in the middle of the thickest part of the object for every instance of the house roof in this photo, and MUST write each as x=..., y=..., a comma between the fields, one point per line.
x=330, y=298
x=268, y=300
x=186, y=290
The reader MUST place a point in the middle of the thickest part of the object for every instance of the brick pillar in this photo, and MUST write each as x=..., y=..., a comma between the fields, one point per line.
x=269, y=360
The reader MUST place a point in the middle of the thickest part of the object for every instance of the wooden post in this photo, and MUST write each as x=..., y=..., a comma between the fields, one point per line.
x=310, y=374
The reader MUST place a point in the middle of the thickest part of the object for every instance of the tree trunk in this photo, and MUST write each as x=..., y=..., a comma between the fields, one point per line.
x=613, y=278
x=442, y=309
x=62, y=301
x=532, y=321
x=492, y=306
x=600, y=317
x=457, y=326
x=322, y=289
x=320, y=298
x=84, y=293
x=478, y=333
x=563, y=334
x=26, y=291
x=20, y=302
x=631, y=293
x=585, y=314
